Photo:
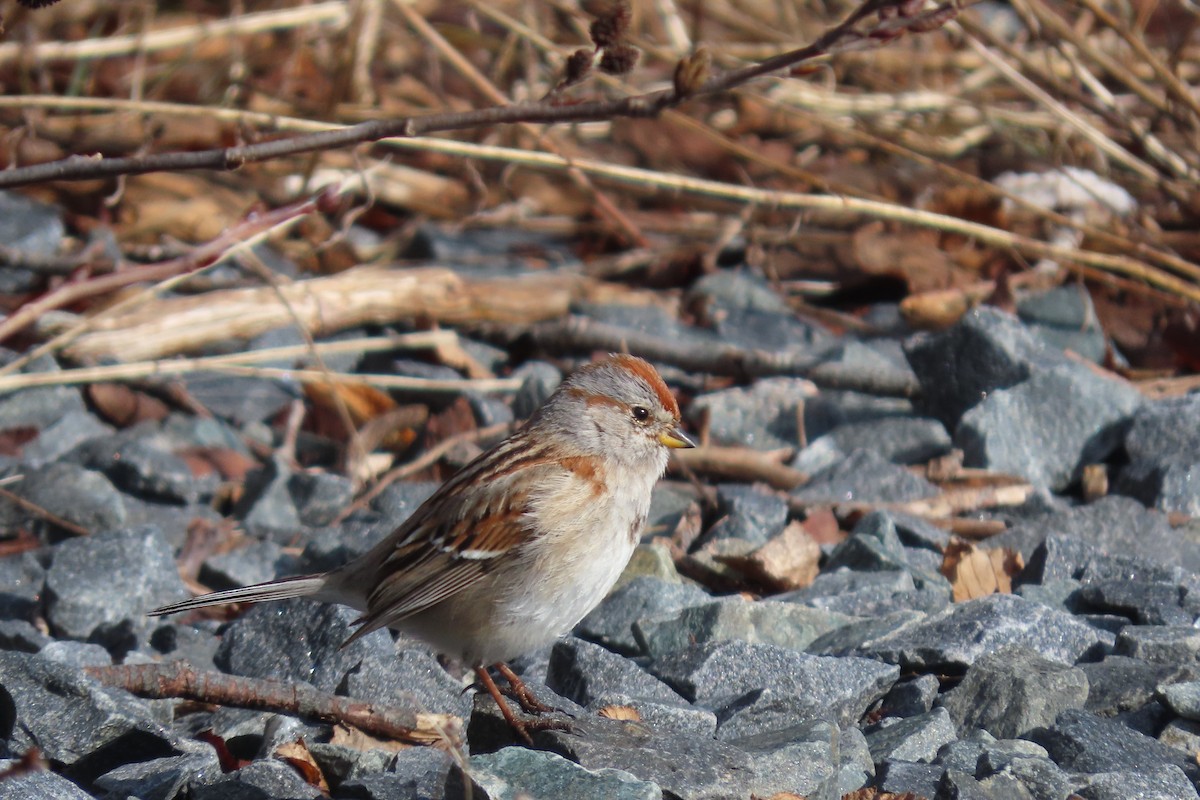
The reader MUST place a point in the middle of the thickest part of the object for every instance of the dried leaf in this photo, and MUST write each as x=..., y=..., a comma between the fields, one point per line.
x=13, y=440
x=788, y=561
x=124, y=406
x=822, y=525
x=297, y=754
x=975, y=572
x=225, y=757
x=352, y=737
x=628, y=713
x=224, y=461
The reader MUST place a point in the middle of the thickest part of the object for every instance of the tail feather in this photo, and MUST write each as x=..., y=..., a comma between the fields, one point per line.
x=282, y=589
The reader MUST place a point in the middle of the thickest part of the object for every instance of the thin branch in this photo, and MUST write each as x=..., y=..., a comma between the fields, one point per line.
x=893, y=20
x=179, y=680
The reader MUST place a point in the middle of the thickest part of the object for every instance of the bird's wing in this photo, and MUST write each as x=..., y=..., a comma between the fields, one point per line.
x=454, y=538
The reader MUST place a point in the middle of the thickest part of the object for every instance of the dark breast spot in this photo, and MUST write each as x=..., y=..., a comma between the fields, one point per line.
x=635, y=530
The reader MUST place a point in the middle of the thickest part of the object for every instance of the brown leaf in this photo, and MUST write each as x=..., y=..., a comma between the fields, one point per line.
x=788, y=561
x=912, y=255
x=224, y=461
x=124, y=406
x=352, y=737
x=822, y=525
x=296, y=753
x=362, y=403
x=628, y=713
x=975, y=572
x=13, y=440
x=225, y=757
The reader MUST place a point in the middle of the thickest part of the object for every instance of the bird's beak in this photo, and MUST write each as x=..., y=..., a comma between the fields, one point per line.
x=675, y=439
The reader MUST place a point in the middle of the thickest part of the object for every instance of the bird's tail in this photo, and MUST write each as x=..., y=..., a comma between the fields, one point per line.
x=282, y=589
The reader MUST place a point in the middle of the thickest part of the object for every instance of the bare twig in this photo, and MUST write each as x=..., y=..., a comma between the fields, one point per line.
x=179, y=680
x=872, y=24
x=741, y=464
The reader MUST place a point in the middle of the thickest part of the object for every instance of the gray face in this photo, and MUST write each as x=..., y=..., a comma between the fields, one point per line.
x=613, y=412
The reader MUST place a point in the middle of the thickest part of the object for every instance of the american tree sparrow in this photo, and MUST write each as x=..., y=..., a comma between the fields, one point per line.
x=523, y=542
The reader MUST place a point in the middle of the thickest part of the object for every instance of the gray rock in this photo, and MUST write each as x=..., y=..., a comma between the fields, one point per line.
x=670, y=503
x=110, y=578
x=42, y=785
x=908, y=698
x=732, y=618
x=539, y=380
x=803, y=758
x=86, y=728
x=1167, y=486
x=21, y=637
x=965, y=754
x=737, y=288
x=38, y=407
x=1119, y=683
x=961, y=634
x=848, y=639
x=416, y=773
x=257, y=781
x=897, y=439
x=675, y=716
x=255, y=561
x=763, y=417
x=833, y=583
x=987, y=350
x=752, y=513
x=1065, y=319
x=914, y=739
x=1150, y=782
x=62, y=436
x=1182, y=734
x=899, y=777
x=266, y=507
x=75, y=494
x=1110, y=526
x=1146, y=603
x=161, y=778
x=319, y=496
x=1001, y=754
x=1042, y=777
x=1013, y=690
x=1160, y=644
x=957, y=785
x=717, y=673
x=1182, y=698
x=1082, y=742
x=830, y=410
x=856, y=768
x=188, y=643
x=21, y=579
x=407, y=677
x=1090, y=416
x=774, y=332
x=339, y=762
x=76, y=654
x=686, y=767
x=140, y=465
x=611, y=622
x=865, y=477
x=237, y=399
x=298, y=640
x=515, y=773
x=1164, y=456
x=582, y=671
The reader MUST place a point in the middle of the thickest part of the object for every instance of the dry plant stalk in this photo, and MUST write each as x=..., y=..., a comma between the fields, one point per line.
x=363, y=295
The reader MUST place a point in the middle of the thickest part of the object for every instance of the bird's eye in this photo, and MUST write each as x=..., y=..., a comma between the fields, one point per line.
x=640, y=413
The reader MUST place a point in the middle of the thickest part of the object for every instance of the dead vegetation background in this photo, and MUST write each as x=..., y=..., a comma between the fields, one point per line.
x=940, y=156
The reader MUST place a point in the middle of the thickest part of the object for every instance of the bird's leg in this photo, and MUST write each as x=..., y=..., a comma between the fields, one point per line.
x=511, y=718
x=522, y=693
